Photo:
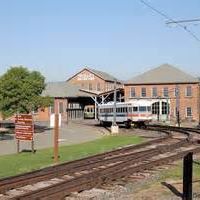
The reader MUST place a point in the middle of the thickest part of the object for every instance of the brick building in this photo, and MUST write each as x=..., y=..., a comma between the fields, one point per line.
x=94, y=80
x=79, y=91
x=167, y=87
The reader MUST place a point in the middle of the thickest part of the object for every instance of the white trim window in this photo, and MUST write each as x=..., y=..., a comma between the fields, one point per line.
x=176, y=92
x=98, y=87
x=61, y=107
x=154, y=92
x=188, y=91
x=132, y=92
x=189, y=112
x=143, y=92
x=90, y=86
x=165, y=92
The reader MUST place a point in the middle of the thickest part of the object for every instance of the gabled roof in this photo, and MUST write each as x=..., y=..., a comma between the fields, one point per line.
x=62, y=89
x=163, y=74
x=103, y=75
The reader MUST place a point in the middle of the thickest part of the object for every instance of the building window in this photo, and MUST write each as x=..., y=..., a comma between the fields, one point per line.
x=60, y=107
x=107, y=86
x=90, y=86
x=155, y=108
x=143, y=92
x=98, y=87
x=188, y=91
x=165, y=92
x=189, y=112
x=154, y=92
x=165, y=108
x=52, y=108
x=176, y=91
x=110, y=86
x=132, y=92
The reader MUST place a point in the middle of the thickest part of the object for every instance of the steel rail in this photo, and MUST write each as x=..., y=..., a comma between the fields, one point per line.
x=12, y=183
x=88, y=181
x=54, y=171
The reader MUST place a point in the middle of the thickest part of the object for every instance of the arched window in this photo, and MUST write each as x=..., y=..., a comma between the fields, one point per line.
x=165, y=108
x=155, y=108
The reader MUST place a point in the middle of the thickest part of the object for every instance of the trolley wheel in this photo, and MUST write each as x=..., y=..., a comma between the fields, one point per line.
x=142, y=125
x=128, y=124
x=102, y=123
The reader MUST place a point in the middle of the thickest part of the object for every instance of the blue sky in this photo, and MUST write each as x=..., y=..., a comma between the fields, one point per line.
x=121, y=37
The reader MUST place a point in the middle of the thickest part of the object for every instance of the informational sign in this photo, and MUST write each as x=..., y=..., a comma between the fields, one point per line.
x=24, y=127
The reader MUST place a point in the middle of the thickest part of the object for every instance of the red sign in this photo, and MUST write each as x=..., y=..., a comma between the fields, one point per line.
x=24, y=127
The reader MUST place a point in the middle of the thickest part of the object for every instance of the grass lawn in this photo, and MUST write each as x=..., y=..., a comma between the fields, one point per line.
x=24, y=162
x=176, y=172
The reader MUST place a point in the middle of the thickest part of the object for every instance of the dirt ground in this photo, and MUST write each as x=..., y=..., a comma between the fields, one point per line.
x=149, y=185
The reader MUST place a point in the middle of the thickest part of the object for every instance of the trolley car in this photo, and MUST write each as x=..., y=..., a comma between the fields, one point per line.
x=136, y=112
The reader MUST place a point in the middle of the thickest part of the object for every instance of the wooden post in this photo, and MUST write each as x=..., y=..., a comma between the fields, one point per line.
x=56, y=132
x=18, y=146
x=187, y=176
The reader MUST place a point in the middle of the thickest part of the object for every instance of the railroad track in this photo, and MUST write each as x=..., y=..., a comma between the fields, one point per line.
x=56, y=182
x=93, y=178
x=59, y=170
x=188, y=131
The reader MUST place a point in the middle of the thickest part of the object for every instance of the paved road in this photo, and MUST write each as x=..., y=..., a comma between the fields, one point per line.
x=72, y=133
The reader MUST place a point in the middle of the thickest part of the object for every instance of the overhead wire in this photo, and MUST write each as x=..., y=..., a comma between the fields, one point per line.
x=170, y=19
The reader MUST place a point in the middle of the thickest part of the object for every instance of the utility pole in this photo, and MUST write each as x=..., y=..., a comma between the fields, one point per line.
x=56, y=132
x=114, y=107
x=167, y=108
x=56, y=135
x=177, y=105
x=114, y=127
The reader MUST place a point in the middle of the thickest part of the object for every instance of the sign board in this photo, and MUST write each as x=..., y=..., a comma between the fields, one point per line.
x=85, y=76
x=24, y=127
x=52, y=120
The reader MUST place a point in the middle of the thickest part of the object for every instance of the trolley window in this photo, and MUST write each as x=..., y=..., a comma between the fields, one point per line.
x=148, y=108
x=142, y=108
x=135, y=109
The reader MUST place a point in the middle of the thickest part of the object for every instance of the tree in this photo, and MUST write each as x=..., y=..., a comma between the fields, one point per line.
x=20, y=91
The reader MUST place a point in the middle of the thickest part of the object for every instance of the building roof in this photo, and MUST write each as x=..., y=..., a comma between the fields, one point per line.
x=163, y=74
x=62, y=89
x=103, y=75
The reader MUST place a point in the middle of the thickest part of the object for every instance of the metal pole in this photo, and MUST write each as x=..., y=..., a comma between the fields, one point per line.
x=95, y=108
x=177, y=105
x=56, y=132
x=187, y=176
x=114, y=107
x=167, y=108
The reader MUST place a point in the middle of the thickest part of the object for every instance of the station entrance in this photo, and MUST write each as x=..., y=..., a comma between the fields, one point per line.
x=86, y=107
